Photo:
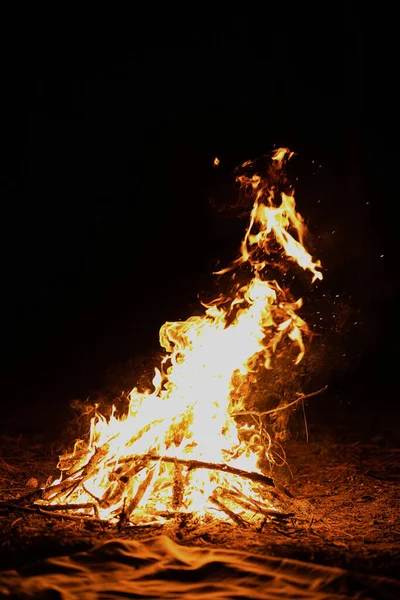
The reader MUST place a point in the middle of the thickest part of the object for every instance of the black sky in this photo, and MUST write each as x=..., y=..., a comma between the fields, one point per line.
x=107, y=174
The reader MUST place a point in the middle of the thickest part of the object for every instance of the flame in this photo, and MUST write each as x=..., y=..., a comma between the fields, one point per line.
x=216, y=161
x=201, y=383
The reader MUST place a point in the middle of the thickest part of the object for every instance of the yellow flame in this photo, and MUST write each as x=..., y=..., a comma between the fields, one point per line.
x=188, y=415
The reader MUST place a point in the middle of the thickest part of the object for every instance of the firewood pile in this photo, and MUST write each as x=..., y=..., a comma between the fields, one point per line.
x=231, y=501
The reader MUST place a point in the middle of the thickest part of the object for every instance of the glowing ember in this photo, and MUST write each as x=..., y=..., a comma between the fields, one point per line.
x=180, y=447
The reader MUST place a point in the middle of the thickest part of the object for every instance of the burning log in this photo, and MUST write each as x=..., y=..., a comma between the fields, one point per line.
x=178, y=488
x=200, y=464
x=112, y=494
x=233, y=516
x=134, y=503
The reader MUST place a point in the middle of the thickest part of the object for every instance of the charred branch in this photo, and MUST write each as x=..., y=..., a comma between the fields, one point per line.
x=232, y=515
x=52, y=514
x=199, y=464
x=178, y=487
x=253, y=506
x=134, y=503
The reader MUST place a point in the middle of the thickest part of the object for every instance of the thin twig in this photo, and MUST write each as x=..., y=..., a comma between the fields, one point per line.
x=279, y=408
x=89, y=493
x=52, y=515
x=305, y=419
x=56, y=507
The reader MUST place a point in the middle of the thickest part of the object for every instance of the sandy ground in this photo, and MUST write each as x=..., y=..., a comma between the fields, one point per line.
x=346, y=508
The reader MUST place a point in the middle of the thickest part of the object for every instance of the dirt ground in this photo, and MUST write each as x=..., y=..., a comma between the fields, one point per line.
x=346, y=507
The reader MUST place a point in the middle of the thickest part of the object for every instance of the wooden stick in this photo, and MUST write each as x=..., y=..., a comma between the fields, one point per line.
x=53, y=515
x=141, y=432
x=134, y=503
x=89, y=493
x=235, y=518
x=70, y=459
x=55, y=507
x=199, y=464
x=279, y=408
x=178, y=487
x=112, y=494
x=61, y=487
x=95, y=507
x=71, y=486
x=98, y=455
x=254, y=506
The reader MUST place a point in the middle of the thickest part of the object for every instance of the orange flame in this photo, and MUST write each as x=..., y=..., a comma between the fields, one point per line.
x=189, y=413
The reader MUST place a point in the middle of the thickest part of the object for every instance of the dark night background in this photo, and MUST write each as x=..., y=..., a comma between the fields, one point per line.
x=106, y=179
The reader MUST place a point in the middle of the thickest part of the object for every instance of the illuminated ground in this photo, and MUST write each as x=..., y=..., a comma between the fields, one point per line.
x=346, y=502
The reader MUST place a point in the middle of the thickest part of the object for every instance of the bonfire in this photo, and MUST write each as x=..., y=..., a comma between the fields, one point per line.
x=190, y=446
